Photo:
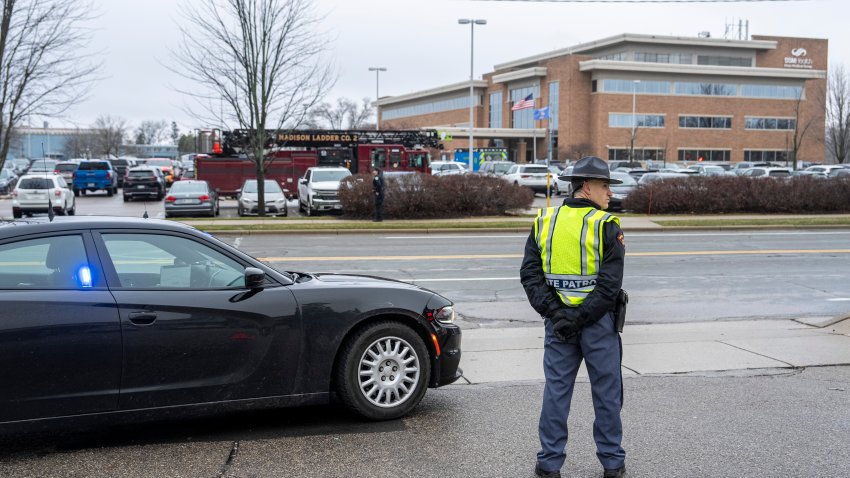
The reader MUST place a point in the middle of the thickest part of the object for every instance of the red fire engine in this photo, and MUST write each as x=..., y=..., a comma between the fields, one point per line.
x=223, y=162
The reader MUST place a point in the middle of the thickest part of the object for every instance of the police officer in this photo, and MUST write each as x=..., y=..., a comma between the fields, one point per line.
x=378, y=189
x=572, y=272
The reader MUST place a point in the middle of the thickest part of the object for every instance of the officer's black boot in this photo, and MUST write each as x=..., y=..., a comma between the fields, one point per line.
x=616, y=473
x=546, y=474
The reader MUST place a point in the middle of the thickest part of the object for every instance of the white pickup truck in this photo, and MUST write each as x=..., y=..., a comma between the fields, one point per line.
x=318, y=189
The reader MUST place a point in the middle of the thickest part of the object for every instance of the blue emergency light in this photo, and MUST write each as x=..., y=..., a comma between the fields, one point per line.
x=84, y=276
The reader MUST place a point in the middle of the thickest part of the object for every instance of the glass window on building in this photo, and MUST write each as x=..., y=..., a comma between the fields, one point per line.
x=524, y=118
x=705, y=89
x=680, y=58
x=554, y=100
x=717, y=60
x=496, y=109
x=705, y=155
x=624, y=120
x=756, y=155
x=641, y=87
x=713, y=122
x=781, y=124
x=772, y=91
x=430, y=107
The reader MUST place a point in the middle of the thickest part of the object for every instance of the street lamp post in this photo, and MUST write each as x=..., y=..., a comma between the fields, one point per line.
x=472, y=22
x=634, y=121
x=377, y=70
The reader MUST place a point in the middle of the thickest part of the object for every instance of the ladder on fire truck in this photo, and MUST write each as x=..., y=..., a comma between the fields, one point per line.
x=235, y=142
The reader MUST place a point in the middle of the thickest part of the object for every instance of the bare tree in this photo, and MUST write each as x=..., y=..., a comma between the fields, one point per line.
x=151, y=132
x=579, y=150
x=802, y=124
x=81, y=144
x=838, y=114
x=345, y=114
x=110, y=132
x=258, y=64
x=42, y=72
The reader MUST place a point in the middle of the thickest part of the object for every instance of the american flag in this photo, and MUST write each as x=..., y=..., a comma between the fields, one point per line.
x=527, y=102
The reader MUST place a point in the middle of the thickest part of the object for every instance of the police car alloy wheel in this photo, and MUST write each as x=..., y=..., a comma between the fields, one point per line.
x=384, y=371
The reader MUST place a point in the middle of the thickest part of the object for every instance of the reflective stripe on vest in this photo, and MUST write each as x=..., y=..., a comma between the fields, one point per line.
x=570, y=241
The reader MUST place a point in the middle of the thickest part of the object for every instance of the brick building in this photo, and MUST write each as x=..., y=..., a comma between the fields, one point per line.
x=663, y=97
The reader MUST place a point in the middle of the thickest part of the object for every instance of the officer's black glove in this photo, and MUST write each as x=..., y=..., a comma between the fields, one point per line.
x=567, y=322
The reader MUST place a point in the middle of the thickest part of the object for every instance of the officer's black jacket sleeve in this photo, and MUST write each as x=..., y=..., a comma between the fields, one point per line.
x=609, y=279
x=542, y=297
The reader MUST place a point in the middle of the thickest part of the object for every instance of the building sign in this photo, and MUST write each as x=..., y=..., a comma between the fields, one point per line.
x=798, y=59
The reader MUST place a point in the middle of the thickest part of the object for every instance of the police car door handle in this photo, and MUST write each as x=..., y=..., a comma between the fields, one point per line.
x=142, y=318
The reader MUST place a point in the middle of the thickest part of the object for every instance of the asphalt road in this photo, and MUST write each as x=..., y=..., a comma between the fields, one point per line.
x=778, y=424
x=671, y=277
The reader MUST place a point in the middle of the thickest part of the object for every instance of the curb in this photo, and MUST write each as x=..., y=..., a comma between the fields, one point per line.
x=661, y=229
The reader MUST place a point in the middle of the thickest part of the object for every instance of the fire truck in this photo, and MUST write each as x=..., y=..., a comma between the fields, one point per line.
x=223, y=161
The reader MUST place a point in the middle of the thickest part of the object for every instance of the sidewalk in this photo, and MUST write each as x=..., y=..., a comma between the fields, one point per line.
x=516, y=354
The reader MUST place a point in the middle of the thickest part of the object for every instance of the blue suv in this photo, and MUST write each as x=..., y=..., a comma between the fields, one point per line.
x=95, y=175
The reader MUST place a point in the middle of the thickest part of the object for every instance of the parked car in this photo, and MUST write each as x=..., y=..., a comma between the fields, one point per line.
x=37, y=193
x=121, y=165
x=557, y=186
x=708, y=170
x=273, y=196
x=145, y=182
x=739, y=168
x=650, y=178
x=43, y=166
x=22, y=165
x=529, y=175
x=824, y=169
x=840, y=173
x=620, y=191
x=767, y=172
x=8, y=181
x=140, y=318
x=443, y=168
x=167, y=167
x=95, y=175
x=191, y=198
x=66, y=169
x=318, y=189
x=494, y=168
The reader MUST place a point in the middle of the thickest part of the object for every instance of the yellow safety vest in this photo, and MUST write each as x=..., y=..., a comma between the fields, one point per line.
x=570, y=240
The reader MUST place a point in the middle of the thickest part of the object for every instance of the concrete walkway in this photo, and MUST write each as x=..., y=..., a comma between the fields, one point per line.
x=516, y=354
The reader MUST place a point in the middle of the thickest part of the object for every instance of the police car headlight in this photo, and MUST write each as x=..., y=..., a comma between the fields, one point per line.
x=446, y=315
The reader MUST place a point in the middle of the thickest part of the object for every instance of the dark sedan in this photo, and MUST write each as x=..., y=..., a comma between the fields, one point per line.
x=621, y=191
x=147, y=318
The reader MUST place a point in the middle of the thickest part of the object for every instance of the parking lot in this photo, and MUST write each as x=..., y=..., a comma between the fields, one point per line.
x=99, y=204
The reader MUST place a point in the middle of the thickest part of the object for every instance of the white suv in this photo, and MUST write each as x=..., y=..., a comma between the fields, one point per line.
x=444, y=168
x=533, y=176
x=318, y=189
x=32, y=192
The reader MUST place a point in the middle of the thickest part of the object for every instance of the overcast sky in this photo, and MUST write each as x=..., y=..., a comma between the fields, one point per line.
x=420, y=42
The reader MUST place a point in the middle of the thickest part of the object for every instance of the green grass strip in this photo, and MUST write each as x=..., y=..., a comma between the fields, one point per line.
x=795, y=221
x=367, y=225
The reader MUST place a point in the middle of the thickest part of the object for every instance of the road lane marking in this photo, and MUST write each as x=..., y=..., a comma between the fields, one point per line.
x=630, y=234
x=519, y=256
x=459, y=279
x=839, y=299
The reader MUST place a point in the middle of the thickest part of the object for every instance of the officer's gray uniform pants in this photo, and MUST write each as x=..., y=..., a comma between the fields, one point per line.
x=599, y=345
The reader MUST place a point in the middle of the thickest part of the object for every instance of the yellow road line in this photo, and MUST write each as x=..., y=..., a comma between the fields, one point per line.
x=519, y=256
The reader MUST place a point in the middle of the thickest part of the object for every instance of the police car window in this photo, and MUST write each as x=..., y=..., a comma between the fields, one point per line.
x=47, y=263
x=153, y=261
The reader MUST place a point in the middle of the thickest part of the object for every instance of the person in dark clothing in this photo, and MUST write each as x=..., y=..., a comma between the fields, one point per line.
x=378, y=188
x=572, y=272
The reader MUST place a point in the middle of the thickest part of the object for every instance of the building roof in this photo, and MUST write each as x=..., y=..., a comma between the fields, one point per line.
x=624, y=38
x=464, y=85
x=708, y=70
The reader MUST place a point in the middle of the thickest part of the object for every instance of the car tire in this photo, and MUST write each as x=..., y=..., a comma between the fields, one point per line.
x=17, y=214
x=160, y=195
x=73, y=210
x=109, y=192
x=555, y=190
x=308, y=209
x=126, y=199
x=396, y=345
x=285, y=210
x=83, y=192
x=240, y=212
x=115, y=190
x=76, y=192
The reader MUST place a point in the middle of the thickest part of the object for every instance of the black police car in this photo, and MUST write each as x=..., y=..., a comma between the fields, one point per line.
x=114, y=315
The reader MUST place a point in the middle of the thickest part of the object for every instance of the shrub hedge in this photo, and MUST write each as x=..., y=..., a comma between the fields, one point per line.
x=422, y=196
x=728, y=194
